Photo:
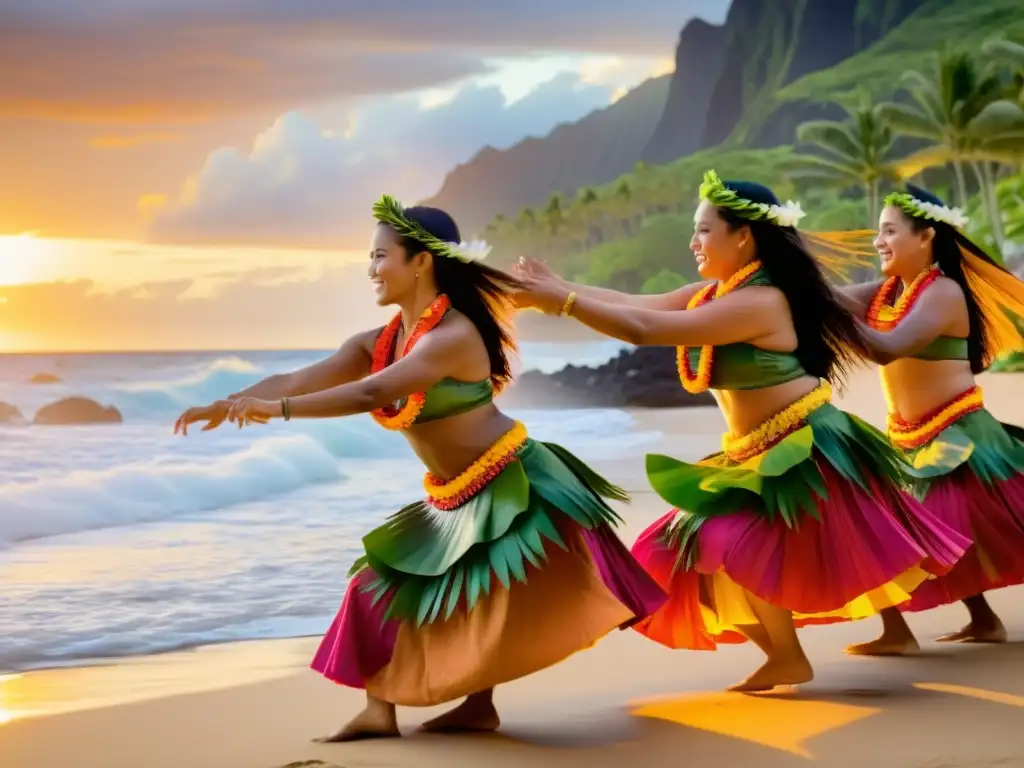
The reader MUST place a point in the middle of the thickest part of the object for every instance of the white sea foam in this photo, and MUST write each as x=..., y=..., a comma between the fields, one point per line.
x=123, y=539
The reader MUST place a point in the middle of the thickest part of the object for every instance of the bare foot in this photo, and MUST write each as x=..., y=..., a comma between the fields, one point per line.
x=471, y=716
x=773, y=672
x=367, y=724
x=886, y=646
x=976, y=633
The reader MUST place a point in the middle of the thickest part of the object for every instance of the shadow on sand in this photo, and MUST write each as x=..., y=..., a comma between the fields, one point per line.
x=959, y=707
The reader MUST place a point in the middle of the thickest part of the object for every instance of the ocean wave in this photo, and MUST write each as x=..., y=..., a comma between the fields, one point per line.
x=158, y=488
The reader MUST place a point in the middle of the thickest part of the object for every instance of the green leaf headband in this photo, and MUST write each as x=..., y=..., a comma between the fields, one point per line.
x=715, y=192
x=922, y=209
x=389, y=211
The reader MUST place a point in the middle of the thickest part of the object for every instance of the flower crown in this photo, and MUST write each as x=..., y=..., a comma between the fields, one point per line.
x=922, y=209
x=715, y=192
x=389, y=211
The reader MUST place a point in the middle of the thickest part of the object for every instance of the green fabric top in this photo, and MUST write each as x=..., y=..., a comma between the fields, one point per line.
x=744, y=366
x=450, y=397
x=943, y=348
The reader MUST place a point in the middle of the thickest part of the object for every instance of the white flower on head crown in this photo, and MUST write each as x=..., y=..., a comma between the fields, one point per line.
x=713, y=190
x=475, y=250
x=787, y=215
x=955, y=217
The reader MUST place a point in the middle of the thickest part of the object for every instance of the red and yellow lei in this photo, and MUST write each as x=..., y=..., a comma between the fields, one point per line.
x=699, y=381
x=884, y=314
x=449, y=494
x=909, y=435
x=389, y=416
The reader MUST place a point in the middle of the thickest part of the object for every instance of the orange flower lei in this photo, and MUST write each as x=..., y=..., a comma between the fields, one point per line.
x=884, y=314
x=698, y=382
x=449, y=494
x=909, y=435
x=389, y=416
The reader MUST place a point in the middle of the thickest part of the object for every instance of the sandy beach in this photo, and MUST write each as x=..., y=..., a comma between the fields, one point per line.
x=626, y=701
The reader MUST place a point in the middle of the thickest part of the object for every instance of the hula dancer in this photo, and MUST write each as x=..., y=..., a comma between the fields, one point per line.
x=509, y=563
x=937, y=320
x=800, y=519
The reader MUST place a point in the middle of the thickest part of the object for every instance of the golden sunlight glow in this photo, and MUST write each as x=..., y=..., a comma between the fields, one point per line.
x=975, y=693
x=7, y=712
x=23, y=258
x=776, y=722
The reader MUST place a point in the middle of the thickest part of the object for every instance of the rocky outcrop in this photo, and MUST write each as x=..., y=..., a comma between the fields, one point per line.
x=44, y=378
x=642, y=378
x=76, y=410
x=9, y=414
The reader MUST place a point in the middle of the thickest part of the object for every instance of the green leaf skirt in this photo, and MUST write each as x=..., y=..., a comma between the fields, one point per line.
x=971, y=475
x=525, y=573
x=822, y=524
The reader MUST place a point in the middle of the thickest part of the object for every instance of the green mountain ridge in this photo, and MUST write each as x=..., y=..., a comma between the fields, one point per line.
x=594, y=150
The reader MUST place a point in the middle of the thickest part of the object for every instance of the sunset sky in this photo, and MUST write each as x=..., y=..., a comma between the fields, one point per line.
x=198, y=174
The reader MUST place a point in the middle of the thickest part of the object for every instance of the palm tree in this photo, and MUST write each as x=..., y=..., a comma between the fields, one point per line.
x=554, y=214
x=963, y=115
x=857, y=152
x=1010, y=55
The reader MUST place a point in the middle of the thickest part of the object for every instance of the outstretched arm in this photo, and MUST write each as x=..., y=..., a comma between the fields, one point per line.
x=677, y=299
x=857, y=298
x=438, y=355
x=350, y=362
x=930, y=318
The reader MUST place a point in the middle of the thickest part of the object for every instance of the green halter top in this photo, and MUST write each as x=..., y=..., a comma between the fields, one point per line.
x=943, y=348
x=744, y=366
x=450, y=397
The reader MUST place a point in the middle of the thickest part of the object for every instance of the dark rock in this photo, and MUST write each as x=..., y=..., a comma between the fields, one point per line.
x=45, y=378
x=77, y=410
x=10, y=414
x=642, y=378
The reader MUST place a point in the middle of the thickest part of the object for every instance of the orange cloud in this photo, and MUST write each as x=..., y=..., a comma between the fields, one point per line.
x=121, y=142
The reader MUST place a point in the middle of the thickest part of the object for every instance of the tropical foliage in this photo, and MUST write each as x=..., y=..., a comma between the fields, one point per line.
x=954, y=123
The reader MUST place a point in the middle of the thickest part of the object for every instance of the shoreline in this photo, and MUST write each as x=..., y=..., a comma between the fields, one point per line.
x=255, y=703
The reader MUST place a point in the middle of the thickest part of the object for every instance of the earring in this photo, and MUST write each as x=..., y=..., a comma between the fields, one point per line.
x=417, y=275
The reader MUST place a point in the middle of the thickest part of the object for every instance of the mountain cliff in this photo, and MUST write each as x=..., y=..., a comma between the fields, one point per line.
x=595, y=150
x=739, y=84
x=764, y=47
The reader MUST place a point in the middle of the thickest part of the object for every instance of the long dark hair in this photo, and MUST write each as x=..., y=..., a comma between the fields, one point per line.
x=829, y=343
x=482, y=294
x=946, y=247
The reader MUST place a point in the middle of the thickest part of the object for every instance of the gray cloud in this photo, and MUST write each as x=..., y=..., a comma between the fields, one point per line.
x=180, y=61
x=300, y=186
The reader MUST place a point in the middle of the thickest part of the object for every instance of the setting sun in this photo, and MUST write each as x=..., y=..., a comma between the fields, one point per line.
x=23, y=258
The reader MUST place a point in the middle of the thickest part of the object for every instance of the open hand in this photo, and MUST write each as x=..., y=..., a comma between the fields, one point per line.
x=548, y=294
x=214, y=415
x=252, y=410
x=527, y=266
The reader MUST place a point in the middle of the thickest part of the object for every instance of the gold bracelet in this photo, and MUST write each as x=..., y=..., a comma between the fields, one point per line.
x=570, y=300
x=286, y=409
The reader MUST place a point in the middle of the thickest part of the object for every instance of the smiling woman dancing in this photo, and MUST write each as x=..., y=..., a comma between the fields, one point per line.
x=938, y=319
x=800, y=519
x=509, y=564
